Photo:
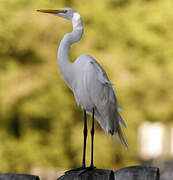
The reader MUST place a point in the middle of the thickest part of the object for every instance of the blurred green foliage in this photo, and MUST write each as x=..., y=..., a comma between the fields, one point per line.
x=40, y=123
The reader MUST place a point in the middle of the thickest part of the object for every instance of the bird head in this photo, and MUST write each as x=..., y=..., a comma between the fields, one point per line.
x=67, y=13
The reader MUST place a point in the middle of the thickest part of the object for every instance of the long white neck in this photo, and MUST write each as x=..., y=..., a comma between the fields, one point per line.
x=65, y=65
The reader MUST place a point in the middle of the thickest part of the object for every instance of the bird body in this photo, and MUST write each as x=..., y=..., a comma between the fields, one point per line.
x=92, y=89
x=87, y=79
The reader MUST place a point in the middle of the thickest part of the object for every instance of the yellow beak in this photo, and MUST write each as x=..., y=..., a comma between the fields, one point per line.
x=51, y=11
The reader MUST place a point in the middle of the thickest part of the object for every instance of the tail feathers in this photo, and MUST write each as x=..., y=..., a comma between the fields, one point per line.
x=122, y=137
x=121, y=120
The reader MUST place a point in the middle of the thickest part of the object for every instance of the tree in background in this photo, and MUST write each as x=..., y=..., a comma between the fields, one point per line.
x=40, y=122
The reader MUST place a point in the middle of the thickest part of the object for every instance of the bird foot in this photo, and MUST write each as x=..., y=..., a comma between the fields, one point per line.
x=75, y=170
x=81, y=170
x=90, y=168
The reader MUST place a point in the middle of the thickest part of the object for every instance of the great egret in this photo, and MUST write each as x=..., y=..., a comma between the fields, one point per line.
x=89, y=83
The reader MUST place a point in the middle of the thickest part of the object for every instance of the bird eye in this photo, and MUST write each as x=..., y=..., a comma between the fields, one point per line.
x=64, y=11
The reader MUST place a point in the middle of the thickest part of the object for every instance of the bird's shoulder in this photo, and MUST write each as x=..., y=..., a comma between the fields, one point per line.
x=94, y=67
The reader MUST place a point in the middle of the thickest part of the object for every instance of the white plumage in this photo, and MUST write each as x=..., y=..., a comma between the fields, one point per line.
x=92, y=89
x=87, y=79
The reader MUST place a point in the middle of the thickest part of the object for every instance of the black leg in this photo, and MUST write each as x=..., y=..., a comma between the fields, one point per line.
x=92, y=139
x=85, y=138
x=91, y=167
x=85, y=131
x=84, y=169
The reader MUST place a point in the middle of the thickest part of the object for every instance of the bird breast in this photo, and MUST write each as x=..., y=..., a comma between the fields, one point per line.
x=83, y=84
x=88, y=90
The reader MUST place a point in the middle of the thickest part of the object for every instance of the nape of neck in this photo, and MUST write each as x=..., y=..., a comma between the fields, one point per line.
x=65, y=65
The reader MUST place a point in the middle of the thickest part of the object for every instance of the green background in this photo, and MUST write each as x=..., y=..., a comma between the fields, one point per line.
x=40, y=122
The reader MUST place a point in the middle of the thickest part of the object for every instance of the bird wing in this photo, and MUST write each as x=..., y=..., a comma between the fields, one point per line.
x=108, y=92
x=101, y=74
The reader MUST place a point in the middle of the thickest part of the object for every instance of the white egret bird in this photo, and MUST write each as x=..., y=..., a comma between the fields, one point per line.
x=89, y=83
